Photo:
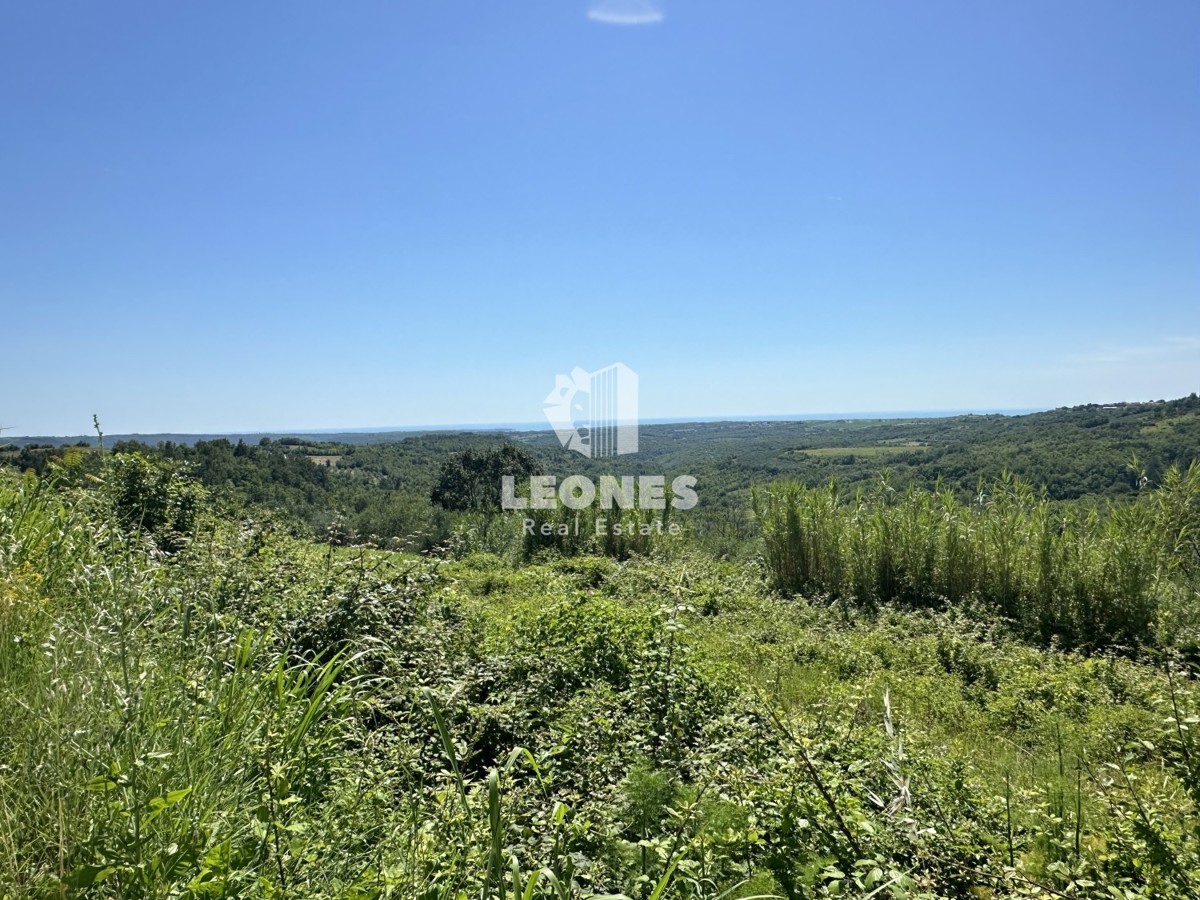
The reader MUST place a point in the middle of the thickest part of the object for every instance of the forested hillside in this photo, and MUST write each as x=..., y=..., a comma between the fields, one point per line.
x=379, y=489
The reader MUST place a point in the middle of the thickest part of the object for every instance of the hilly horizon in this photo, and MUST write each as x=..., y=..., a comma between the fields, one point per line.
x=381, y=432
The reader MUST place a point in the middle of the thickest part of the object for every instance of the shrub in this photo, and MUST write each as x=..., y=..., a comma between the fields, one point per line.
x=154, y=496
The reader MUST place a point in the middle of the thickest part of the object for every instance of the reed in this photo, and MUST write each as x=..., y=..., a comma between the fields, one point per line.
x=1087, y=577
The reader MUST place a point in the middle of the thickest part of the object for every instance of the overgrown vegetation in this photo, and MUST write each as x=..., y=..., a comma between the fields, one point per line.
x=378, y=487
x=890, y=691
x=1086, y=576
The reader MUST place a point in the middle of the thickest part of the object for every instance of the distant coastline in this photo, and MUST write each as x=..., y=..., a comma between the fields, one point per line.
x=191, y=437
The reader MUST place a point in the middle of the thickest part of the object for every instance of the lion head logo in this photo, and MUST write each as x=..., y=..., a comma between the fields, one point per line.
x=564, y=410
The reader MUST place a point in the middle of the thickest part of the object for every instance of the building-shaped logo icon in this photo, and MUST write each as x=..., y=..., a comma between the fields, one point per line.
x=596, y=413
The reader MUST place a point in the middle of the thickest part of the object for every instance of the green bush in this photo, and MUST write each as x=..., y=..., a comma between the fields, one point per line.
x=155, y=496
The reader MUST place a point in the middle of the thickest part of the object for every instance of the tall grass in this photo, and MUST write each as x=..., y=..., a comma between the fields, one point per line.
x=1084, y=575
x=230, y=711
x=135, y=754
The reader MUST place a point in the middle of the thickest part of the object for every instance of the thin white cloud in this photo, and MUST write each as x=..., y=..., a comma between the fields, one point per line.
x=625, y=12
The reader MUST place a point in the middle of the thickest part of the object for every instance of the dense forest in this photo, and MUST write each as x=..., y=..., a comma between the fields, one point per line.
x=935, y=658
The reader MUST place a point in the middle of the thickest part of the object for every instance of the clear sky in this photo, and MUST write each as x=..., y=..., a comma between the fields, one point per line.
x=282, y=215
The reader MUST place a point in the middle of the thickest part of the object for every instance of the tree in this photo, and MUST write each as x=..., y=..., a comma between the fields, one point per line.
x=470, y=481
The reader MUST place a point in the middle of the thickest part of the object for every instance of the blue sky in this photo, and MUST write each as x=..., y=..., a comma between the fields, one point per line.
x=237, y=216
